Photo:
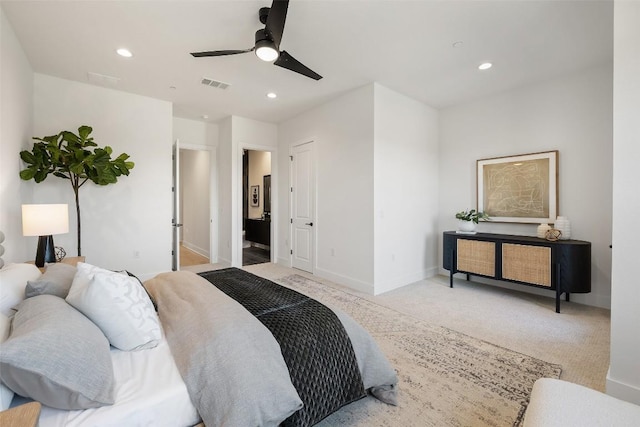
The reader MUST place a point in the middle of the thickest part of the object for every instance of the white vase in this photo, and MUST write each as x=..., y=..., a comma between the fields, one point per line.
x=564, y=225
x=466, y=226
x=542, y=230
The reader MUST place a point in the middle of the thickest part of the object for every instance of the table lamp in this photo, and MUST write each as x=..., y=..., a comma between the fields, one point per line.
x=44, y=221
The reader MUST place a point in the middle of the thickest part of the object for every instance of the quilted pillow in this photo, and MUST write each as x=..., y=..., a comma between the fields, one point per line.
x=13, y=280
x=118, y=305
x=56, y=356
x=56, y=280
x=6, y=394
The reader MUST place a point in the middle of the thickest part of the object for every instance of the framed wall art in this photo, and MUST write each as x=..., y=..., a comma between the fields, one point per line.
x=255, y=196
x=522, y=188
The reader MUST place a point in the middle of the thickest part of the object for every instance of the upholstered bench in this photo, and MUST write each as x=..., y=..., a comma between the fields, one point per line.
x=557, y=403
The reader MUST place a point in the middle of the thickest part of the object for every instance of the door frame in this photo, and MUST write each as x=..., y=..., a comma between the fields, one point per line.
x=314, y=229
x=213, y=196
x=236, y=255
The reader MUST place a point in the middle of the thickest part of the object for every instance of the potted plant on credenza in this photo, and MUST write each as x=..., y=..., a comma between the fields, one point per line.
x=468, y=220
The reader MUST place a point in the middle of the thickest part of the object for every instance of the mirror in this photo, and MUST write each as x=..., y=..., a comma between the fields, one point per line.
x=266, y=181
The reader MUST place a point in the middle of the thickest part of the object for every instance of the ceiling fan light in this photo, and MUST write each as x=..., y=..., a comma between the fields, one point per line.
x=266, y=51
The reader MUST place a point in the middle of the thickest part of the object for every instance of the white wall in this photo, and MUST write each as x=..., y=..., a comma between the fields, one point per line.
x=225, y=169
x=405, y=190
x=571, y=114
x=623, y=379
x=133, y=215
x=16, y=103
x=259, y=166
x=343, y=133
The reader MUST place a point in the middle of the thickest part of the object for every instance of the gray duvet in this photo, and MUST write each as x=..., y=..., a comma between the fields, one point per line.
x=230, y=362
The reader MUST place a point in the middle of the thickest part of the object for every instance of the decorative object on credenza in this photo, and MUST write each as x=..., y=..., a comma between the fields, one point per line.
x=467, y=220
x=542, y=230
x=44, y=221
x=60, y=253
x=1, y=249
x=563, y=224
x=70, y=156
x=255, y=196
x=522, y=188
x=553, y=234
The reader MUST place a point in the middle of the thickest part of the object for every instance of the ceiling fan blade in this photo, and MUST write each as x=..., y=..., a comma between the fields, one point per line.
x=275, y=20
x=290, y=63
x=219, y=53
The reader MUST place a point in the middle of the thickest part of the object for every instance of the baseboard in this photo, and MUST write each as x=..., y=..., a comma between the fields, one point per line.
x=349, y=282
x=195, y=248
x=622, y=390
x=390, y=284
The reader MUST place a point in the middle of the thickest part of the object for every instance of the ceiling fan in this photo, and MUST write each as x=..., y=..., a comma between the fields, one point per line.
x=267, y=46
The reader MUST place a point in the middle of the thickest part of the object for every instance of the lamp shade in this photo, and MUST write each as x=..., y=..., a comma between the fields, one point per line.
x=45, y=220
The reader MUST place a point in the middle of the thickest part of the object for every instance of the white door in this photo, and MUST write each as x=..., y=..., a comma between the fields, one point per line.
x=302, y=207
x=175, y=221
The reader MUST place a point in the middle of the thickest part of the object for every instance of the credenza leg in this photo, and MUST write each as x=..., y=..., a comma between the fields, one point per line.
x=566, y=296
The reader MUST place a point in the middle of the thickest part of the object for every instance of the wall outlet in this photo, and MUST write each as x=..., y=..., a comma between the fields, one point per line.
x=333, y=252
x=136, y=254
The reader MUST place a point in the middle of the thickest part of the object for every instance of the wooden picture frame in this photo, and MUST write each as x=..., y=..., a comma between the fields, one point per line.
x=254, y=196
x=521, y=188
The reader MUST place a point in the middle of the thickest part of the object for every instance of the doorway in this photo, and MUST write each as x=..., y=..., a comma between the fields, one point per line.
x=256, y=207
x=303, y=207
x=196, y=204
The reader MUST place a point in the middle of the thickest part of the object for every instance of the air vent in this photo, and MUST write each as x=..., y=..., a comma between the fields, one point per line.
x=214, y=83
x=102, y=80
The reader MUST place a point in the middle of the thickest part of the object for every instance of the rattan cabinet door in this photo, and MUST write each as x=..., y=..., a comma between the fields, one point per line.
x=476, y=257
x=526, y=263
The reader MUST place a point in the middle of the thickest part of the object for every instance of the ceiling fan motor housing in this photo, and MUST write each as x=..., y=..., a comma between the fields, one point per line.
x=263, y=14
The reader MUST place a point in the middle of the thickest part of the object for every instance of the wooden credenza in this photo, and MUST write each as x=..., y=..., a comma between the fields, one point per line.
x=563, y=266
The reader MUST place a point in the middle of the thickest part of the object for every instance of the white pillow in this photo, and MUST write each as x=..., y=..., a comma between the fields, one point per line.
x=6, y=394
x=118, y=305
x=13, y=281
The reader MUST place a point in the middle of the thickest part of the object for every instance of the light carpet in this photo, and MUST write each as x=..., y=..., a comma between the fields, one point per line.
x=445, y=378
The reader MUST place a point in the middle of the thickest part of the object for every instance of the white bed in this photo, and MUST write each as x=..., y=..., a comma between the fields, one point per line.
x=89, y=341
x=148, y=392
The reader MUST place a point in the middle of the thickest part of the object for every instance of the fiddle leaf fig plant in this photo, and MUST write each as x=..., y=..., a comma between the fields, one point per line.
x=75, y=157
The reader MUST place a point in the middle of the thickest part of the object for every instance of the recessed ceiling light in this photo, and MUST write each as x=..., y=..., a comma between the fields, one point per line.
x=272, y=95
x=458, y=44
x=204, y=116
x=124, y=52
x=485, y=66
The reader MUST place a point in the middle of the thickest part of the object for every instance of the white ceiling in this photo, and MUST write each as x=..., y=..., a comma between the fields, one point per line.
x=401, y=44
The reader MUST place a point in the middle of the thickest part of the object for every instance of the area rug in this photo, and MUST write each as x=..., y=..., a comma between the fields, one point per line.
x=445, y=378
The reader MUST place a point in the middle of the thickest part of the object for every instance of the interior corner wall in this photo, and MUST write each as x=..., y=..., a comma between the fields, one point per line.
x=342, y=132
x=126, y=225
x=224, y=190
x=236, y=133
x=571, y=114
x=623, y=379
x=405, y=190
x=16, y=106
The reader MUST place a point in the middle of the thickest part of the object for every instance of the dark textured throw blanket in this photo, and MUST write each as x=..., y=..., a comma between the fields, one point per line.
x=314, y=344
